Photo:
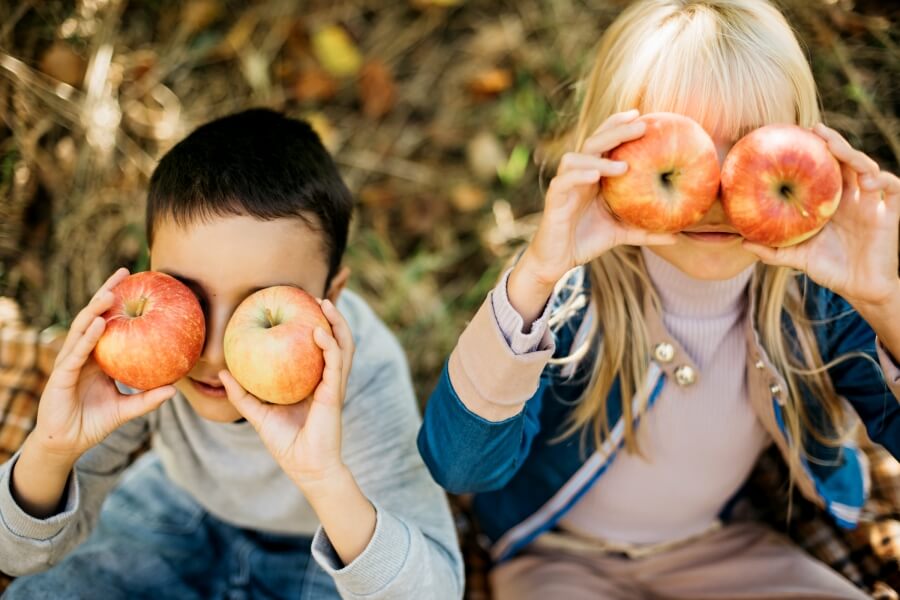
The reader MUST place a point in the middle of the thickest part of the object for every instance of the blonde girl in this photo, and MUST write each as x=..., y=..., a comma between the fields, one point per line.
x=614, y=391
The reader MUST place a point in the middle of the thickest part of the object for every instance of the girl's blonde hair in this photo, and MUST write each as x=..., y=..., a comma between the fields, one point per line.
x=732, y=65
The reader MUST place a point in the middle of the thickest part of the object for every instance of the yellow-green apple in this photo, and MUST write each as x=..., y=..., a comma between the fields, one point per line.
x=154, y=331
x=780, y=185
x=269, y=345
x=672, y=178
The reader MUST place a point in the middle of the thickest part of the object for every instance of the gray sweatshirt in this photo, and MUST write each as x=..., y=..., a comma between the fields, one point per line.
x=414, y=551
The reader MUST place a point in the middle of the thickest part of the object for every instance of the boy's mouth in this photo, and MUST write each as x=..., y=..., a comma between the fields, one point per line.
x=213, y=389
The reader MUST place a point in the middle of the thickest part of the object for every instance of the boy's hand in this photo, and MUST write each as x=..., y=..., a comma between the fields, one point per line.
x=79, y=407
x=305, y=438
x=80, y=404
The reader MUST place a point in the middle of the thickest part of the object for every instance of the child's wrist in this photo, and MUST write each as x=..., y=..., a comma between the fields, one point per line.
x=325, y=483
x=54, y=459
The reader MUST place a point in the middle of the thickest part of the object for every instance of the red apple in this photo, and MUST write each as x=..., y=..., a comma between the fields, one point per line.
x=780, y=185
x=672, y=178
x=154, y=331
x=269, y=345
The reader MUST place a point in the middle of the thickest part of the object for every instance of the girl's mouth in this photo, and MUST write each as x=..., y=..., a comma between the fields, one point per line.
x=713, y=237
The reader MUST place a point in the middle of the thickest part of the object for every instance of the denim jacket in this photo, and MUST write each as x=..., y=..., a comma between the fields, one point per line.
x=492, y=424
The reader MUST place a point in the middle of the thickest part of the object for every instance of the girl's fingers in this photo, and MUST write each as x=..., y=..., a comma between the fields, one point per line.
x=562, y=185
x=883, y=181
x=633, y=236
x=574, y=161
x=790, y=256
x=131, y=406
x=617, y=119
x=606, y=140
x=844, y=152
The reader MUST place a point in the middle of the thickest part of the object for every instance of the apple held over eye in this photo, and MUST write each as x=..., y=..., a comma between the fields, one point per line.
x=269, y=345
x=780, y=185
x=672, y=178
x=154, y=331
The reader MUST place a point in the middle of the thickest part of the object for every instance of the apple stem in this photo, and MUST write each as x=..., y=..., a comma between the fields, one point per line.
x=139, y=310
x=270, y=318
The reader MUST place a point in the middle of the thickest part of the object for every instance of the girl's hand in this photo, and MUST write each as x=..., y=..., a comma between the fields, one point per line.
x=855, y=254
x=80, y=404
x=305, y=438
x=576, y=226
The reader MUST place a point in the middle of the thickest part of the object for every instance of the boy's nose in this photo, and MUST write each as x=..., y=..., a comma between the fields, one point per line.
x=213, y=355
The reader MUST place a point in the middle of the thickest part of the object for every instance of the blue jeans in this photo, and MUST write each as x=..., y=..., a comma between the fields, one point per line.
x=154, y=541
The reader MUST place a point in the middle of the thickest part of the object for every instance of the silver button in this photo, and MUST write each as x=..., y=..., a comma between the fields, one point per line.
x=685, y=375
x=775, y=389
x=760, y=365
x=664, y=352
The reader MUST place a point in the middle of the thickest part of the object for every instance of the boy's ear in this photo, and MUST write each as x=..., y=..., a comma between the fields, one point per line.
x=338, y=282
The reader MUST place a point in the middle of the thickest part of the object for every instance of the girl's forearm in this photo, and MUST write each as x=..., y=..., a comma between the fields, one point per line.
x=885, y=321
x=346, y=514
x=38, y=480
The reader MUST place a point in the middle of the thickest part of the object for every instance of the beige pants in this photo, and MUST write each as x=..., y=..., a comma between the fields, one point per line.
x=738, y=562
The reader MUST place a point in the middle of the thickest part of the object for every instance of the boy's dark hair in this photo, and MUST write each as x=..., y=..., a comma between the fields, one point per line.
x=257, y=163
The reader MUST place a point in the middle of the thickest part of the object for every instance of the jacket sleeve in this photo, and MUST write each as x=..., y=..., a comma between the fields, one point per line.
x=414, y=552
x=870, y=383
x=28, y=544
x=484, y=413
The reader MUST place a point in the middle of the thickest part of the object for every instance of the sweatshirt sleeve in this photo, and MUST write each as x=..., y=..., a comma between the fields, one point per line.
x=414, y=552
x=29, y=544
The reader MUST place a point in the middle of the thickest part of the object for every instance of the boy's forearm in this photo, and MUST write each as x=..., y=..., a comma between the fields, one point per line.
x=38, y=480
x=347, y=516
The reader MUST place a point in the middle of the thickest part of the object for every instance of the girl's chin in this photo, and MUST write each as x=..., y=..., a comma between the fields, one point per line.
x=707, y=263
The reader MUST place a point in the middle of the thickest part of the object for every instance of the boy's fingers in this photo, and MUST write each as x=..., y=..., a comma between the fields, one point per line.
x=99, y=304
x=71, y=364
x=329, y=388
x=608, y=139
x=132, y=406
x=341, y=330
x=250, y=407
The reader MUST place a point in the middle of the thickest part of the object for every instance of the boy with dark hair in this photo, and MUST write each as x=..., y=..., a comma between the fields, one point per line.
x=237, y=498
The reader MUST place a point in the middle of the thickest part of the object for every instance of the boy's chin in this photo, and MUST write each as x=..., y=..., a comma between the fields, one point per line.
x=219, y=410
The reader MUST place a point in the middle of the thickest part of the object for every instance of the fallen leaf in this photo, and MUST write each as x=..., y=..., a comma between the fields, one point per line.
x=378, y=195
x=323, y=128
x=198, y=14
x=467, y=197
x=314, y=84
x=422, y=4
x=514, y=169
x=62, y=63
x=485, y=156
x=336, y=52
x=490, y=82
x=377, y=89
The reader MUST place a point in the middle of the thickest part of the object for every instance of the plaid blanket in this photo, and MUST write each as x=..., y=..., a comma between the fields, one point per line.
x=868, y=556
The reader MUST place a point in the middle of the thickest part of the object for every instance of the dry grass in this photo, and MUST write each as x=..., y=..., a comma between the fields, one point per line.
x=448, y=96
